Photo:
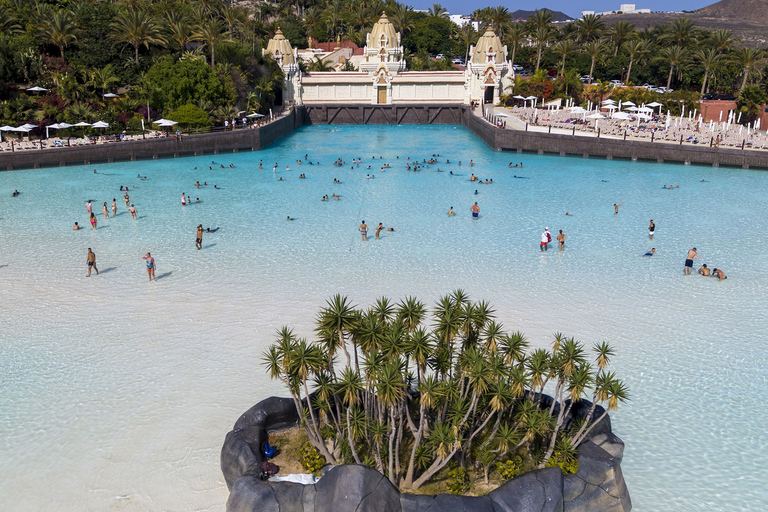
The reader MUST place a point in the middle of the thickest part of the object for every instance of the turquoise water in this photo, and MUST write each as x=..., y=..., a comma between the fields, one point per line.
x=116, y=393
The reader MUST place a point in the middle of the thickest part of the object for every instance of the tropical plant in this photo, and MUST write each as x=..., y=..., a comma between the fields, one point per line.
x=59, y=29
x=437, y=11
x=516, y=35
x=564, y=49
x=619, y=33
x=136, y=28
x=410, y=399
x=709, y=59
x=589, y=28
x=636, y=49
x=211, y=33
x=595, y=50
x=675, y=57
x=749, y=59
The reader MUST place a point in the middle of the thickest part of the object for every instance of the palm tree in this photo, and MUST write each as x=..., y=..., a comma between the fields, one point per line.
x=595, y=50
x=589, y=28
x=102, y=78
x=709, y=59
x=675, y=57
x=682, y=31
x=211, y=33
x=437, y=11
x=233, y=17
x=620, y=32
x=402, y=18
x=541, y=36
x=749, y=58
x=722, y=39
x=180, y=32
x=60, y=29
x=8, y=24
x=564, y=49
x=636, y=49
x=319, y=64
x=339, y=317
x=501, y=19
x=541, y=18
x=516, y=35
x=137, y=29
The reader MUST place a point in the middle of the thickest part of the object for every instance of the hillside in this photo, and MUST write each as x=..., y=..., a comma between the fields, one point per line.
x=747, y=19
x=521, y=14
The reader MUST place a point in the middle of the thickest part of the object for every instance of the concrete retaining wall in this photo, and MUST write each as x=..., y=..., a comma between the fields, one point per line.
x=167, y=147
x=383, y=114
x=569, y=145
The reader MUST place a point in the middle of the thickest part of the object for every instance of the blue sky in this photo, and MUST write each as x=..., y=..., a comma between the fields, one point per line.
x=570, y=7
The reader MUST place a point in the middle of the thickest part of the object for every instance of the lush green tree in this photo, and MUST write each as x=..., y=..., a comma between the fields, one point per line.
x=190, y=116
x=749, y=59
x=675, y=57
x=710, y=59
x=175, y=83
x=589, y=28
x=636, y=49
x=619, y=33
x=211, y=33
x=750, y=102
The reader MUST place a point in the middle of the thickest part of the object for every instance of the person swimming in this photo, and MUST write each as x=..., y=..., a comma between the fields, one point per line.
x=651, y=252
x=451, y=212
x=209, y=230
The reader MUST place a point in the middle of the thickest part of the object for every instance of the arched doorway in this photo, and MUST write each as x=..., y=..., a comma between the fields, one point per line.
x=489, y=90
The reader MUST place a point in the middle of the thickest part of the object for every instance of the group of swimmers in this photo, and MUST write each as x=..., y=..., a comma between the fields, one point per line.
x=363, y=228
x=703, y=270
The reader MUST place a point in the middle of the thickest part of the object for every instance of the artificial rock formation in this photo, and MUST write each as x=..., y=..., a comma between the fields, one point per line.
x=597, y=486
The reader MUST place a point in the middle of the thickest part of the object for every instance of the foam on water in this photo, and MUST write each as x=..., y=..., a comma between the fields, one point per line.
x=116, y=393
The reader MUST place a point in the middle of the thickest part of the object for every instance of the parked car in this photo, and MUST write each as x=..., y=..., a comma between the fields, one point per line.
x=458, y=60
x=517, y=67
x=617, y=83
x=585, y=78
x=439, y=56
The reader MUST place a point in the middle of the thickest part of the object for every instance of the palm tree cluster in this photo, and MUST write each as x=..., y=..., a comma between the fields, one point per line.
x=679, y=50
x=407, y=392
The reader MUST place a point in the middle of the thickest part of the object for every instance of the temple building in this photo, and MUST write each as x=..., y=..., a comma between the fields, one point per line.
x=383, y=79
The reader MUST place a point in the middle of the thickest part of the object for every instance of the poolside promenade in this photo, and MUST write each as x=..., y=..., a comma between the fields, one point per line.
x=515, y=137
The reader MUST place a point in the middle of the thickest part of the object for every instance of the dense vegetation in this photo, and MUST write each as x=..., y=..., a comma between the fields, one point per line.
x=412, y=394
x=167, y=54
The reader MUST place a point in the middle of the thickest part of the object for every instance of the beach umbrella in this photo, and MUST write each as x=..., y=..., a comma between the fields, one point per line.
x=255, y=115
x=611, y=107
x=82, y=123
x=632, y=109
x=518, y=97
x=100, y=124
x=37, y=89
x=167, y=122
x=620, y=115
x=161, y=120
x=111, y=95
x=609, y=101
x=596, y=116
x=501, y=114
x=643, y=116
x=629, y=103
x=5, y=128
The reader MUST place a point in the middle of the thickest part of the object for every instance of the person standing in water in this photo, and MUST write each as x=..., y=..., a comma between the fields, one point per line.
x=692, y=255
x=132, y=209
x=114, y=206
x=88, y=206
x=475, y=210
x=199, y=238
x=127, y=199
x=651, y=229
x=105, y=211
x=561, y=240
x=363, y=231
x=93, y=221
x=616, y=208
x=183, y=199
x=90, y=260
x=545, y=239
x=378, y=229
x=151, y=267
x=451, y=212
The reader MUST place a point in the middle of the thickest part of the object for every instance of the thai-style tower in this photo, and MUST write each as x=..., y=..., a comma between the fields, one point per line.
x=488, y=65
x=287, y=58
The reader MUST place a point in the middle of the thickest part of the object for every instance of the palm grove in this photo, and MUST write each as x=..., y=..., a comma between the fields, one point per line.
x=200, y=60
x=410, y=393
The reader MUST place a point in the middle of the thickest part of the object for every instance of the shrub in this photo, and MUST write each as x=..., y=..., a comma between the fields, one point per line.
x=459, y=483
x=190, y=116
x=310, y=459
x=511, y=468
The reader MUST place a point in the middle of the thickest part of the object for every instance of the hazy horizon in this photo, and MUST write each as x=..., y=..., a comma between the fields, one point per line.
x=570, y=8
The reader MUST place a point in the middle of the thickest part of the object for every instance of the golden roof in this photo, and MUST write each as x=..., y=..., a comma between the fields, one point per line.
x=279, y=45
x=488, y=43
x=383, y=28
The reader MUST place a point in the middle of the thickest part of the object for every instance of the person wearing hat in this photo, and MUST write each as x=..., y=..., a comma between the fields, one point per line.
x=545, y=239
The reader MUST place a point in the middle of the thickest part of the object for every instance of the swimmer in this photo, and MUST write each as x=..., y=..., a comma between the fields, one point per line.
x=335, y=197
x=281, y=179
x=719, y=274
x=132, y=209
x=197, y=185
x=216, y=187
x=704, y=181
x=114, y=206
x=390, y=229
x=76, y=226
x=288, y=218
x=475, y=209
x=692, y=255
x=652, y=252
x=704, y=271
x=197, y=200
x=475, y=191
x=378, y=229
x=561, y=240
x=363, y=231
x=93, y=221
x=15, y=193
x=473, y=177
x=568, y=214
x=651, y=229
x=151, y=266
x=209, y=230
x=616, y=208
x=199, y=237
x=90, y=260
x=451, y=212
x=127, y=199
x=105, y=211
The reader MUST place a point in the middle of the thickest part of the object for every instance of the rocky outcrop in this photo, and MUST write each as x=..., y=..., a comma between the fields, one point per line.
x=597, y=486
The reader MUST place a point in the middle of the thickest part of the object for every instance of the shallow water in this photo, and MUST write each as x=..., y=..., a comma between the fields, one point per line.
x=116, y=393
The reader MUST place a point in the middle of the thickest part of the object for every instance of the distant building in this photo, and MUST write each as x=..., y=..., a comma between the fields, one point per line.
x=463, y=19
x=382, y=77
x=623, y=9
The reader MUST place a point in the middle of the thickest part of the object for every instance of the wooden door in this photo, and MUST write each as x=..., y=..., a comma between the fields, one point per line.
x=382, y=98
